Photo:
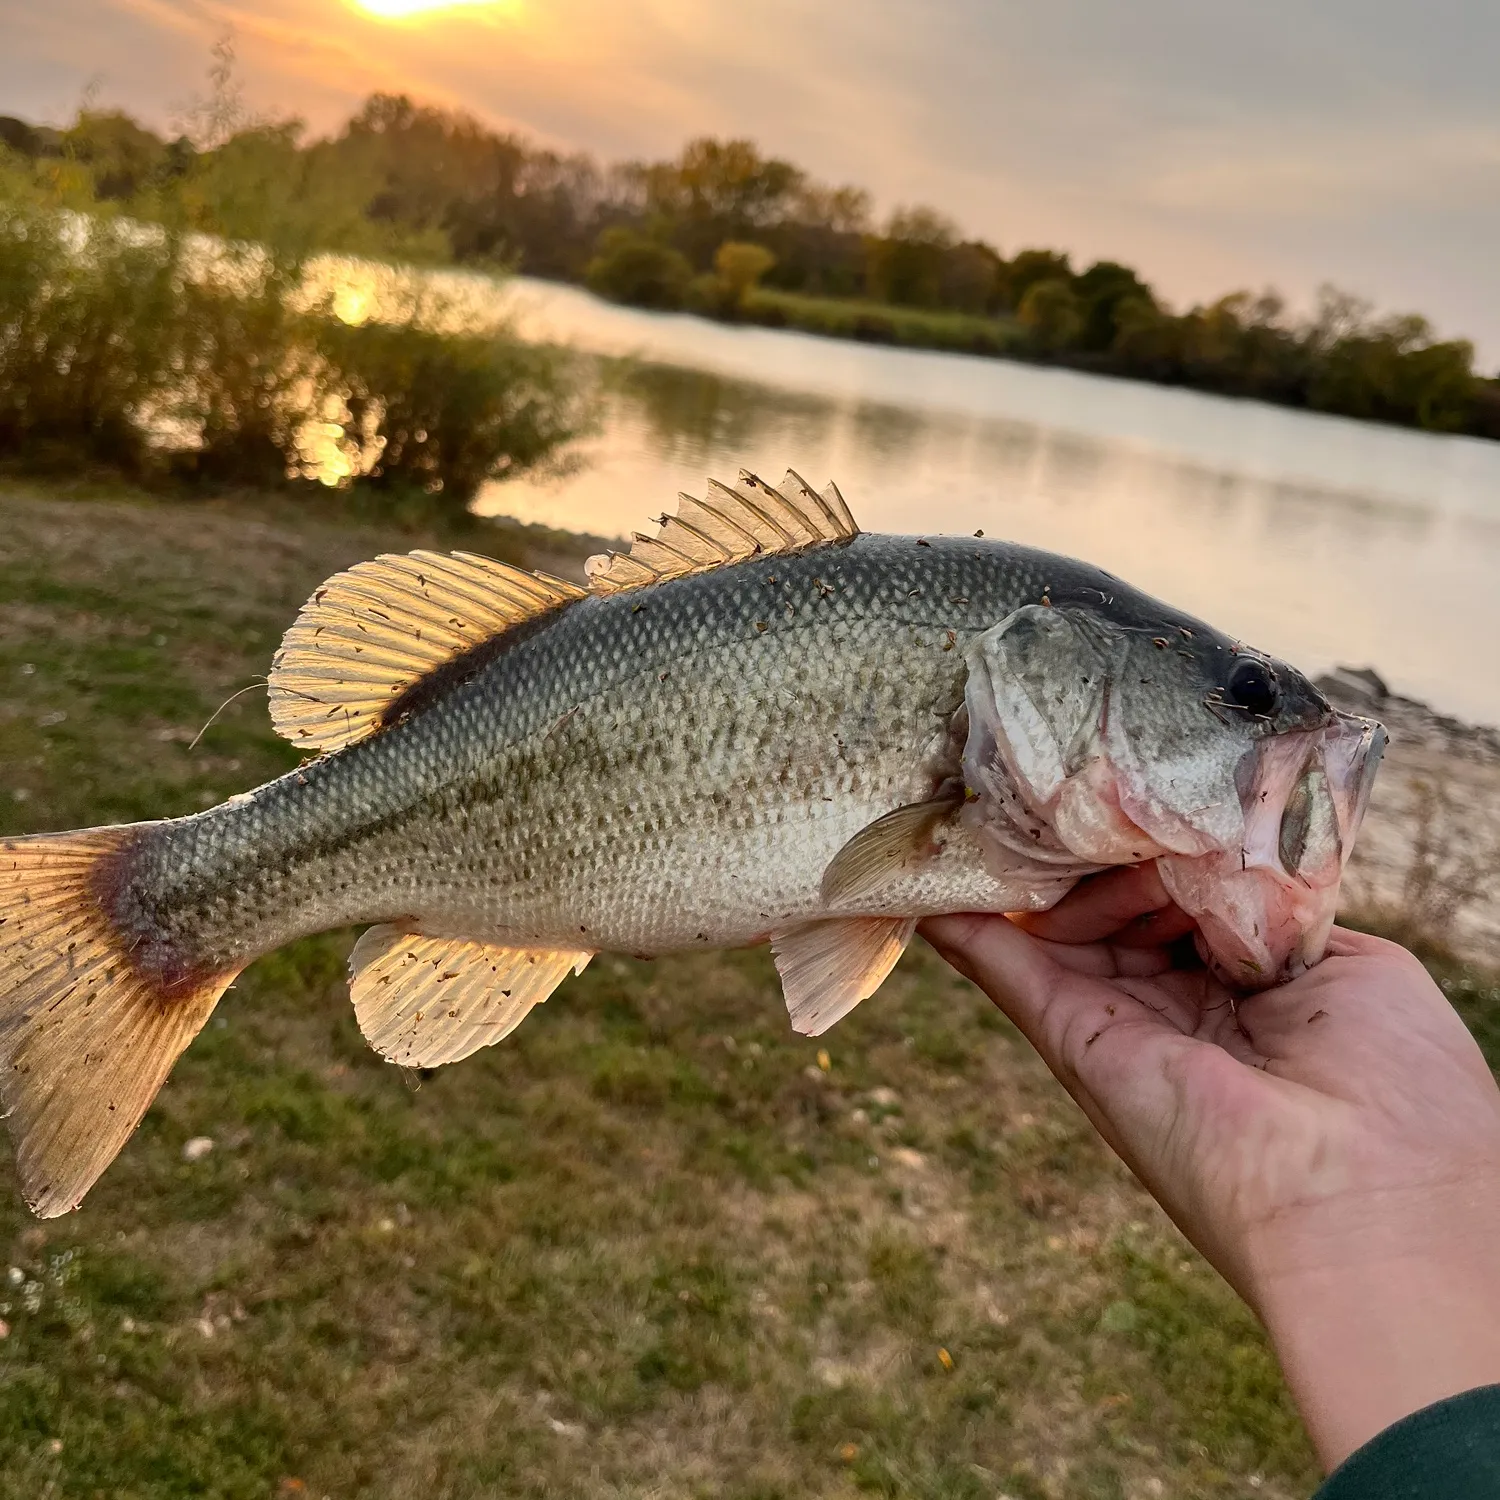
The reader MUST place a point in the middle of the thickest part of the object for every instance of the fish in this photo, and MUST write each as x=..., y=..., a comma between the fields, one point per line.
x=758, y=724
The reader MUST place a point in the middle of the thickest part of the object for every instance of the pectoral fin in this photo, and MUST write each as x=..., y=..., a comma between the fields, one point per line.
x=828, y=967
x=886, y=848
x=423, y=1001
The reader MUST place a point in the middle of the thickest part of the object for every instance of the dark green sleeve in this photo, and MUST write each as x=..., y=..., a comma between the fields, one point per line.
x=1450, y=1451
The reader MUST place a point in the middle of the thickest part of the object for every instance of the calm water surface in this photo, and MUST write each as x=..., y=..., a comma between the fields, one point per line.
x=1319, y=539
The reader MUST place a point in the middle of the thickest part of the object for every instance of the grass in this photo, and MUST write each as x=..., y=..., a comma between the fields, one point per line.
x=883, y=323
x=649, y=1246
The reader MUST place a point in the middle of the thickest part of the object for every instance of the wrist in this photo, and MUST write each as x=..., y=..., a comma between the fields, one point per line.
x=1382, y=1303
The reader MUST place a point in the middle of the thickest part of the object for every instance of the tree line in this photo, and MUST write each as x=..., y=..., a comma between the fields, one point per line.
x=727, y=231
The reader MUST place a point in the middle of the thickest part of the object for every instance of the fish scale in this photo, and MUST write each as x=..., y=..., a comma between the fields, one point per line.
x=562, y=782
x=759, y=725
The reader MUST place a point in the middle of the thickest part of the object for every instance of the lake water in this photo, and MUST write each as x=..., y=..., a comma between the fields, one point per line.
x=1319, y=539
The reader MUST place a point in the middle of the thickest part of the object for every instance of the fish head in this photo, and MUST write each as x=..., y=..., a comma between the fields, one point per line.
x=1265, y=909
x=1101, y=738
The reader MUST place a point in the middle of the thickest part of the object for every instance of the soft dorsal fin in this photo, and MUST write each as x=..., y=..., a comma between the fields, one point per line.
x=368, y=634
x=424, y=1001
x=726, y=526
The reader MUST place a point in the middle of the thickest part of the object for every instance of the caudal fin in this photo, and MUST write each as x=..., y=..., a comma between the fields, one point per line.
x=86, y=1037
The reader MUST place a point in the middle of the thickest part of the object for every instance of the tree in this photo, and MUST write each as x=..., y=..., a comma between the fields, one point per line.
x=740, y=265
x=1147, y=340
x=1028, y=267
x=1051, y=315
x=845, y=210
x=630, y=267
x=970, y=278
x=1101, y=289
x=716, y=191
x=122, y=156
x=905, y=265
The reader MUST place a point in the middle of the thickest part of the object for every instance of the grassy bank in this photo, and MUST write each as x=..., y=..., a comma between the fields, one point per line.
x=883, y=323
x=654, y=1244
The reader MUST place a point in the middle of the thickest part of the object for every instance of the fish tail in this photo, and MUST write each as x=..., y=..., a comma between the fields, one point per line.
x=88, y=1027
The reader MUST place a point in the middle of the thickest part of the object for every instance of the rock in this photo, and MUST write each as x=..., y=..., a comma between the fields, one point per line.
x=197, y=1148
x=1362, y=690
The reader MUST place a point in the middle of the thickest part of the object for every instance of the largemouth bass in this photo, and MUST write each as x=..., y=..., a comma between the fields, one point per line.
x=758, y=725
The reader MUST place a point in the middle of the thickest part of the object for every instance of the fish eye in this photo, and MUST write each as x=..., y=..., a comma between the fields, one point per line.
x=1252, y=686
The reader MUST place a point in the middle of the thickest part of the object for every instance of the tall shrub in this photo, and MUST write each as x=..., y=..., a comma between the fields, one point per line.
x=89, y=332
x=250, y=369
x=444, y=413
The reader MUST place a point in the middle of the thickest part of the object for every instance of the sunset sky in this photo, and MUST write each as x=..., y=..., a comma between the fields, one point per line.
x=1212, y=145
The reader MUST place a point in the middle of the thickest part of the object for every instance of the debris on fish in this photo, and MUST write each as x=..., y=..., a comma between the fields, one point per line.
x=758, y=725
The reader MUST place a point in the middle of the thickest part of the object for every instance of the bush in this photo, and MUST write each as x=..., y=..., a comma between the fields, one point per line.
x=740, y=266
x=630, y=267
x=444, y=413
x=88, y=334
x=250, y=374
x=119, y=346
x=1050, y=312
x=710, y=297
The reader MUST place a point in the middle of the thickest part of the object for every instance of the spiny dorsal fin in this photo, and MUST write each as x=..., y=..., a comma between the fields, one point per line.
x=424, y=1001
x=368, y=634
x=727, y=526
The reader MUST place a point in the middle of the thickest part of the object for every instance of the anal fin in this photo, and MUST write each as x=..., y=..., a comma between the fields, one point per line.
x=422, y=1001
x=828, y=967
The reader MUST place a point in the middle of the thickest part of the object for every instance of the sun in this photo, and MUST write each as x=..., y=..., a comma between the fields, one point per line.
x=400, y=10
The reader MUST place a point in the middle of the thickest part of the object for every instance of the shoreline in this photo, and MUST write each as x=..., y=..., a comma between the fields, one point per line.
x=1427, y=861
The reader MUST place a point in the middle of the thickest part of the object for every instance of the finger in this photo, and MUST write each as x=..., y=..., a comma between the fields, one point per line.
x=1345, y=942
x=1102, y=905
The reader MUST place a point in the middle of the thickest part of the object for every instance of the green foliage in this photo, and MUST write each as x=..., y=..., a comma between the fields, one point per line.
x=444, y=413
x=123, y=157
x=722, y=292
x=87, y=309
x=1102, y=291
x=1050, y=313
x=878, y=323
x=404, y=179
x=250, y=382
x=906, y=263
x=1027, y=267
x=716, y=191
x=740, y=266
x=120, y=347
x=632, y=267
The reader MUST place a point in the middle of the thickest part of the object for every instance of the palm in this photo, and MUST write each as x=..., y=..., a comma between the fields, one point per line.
x=1231, y=1111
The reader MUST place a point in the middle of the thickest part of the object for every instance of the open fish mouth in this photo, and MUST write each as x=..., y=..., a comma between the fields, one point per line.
x=1081, y=754
x=1266, y=905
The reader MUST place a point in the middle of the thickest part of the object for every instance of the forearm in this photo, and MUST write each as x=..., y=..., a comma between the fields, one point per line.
x=1382, y=1308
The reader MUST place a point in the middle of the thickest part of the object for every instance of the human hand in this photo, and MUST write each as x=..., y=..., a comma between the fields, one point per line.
x=1332, y=1146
